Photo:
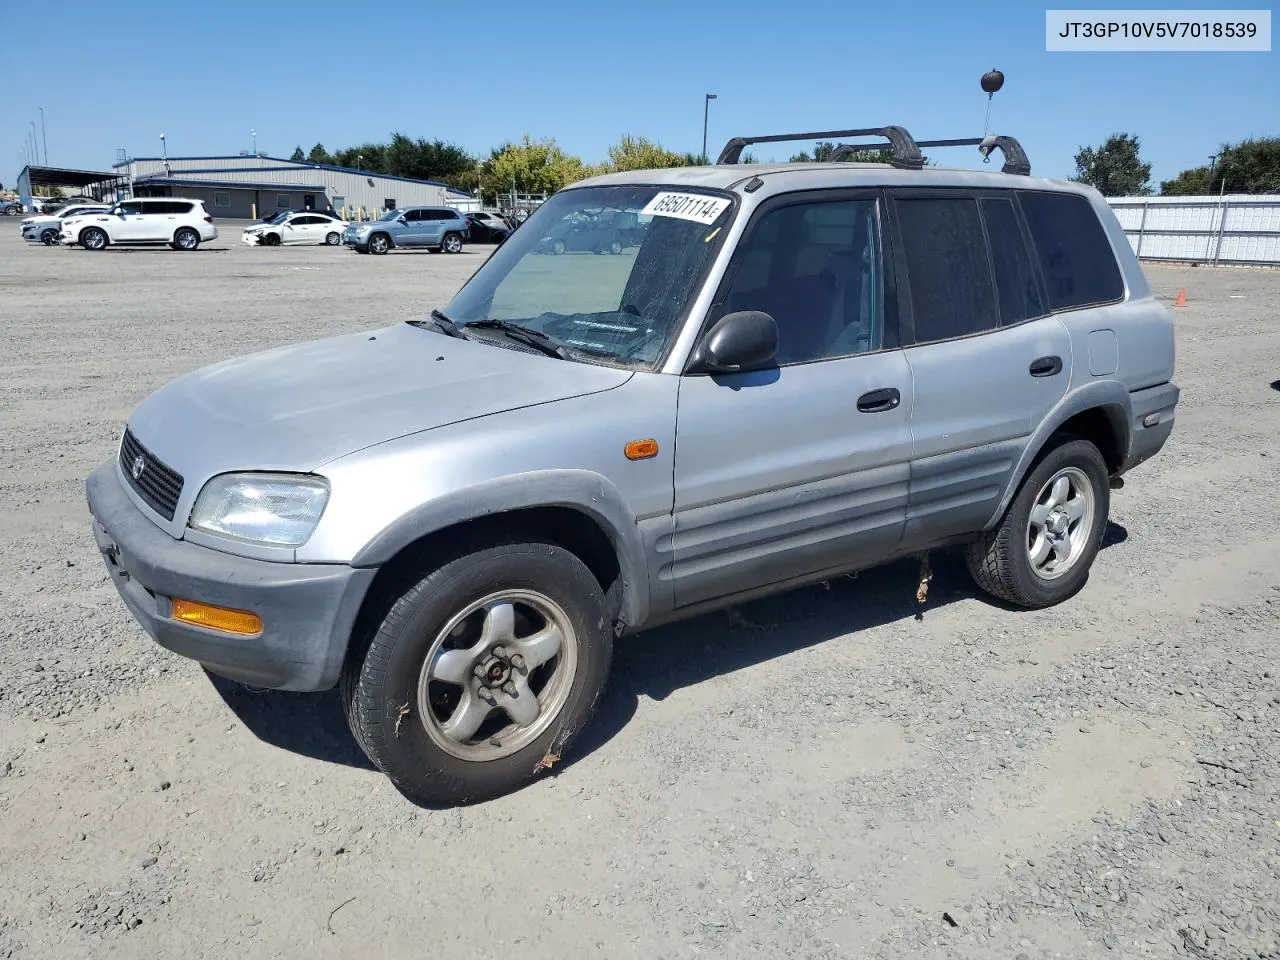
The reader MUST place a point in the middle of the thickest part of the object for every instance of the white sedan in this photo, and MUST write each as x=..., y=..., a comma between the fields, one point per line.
x=46, y=230
x=296, y=227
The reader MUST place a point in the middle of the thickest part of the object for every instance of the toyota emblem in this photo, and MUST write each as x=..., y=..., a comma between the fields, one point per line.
x=139, y=464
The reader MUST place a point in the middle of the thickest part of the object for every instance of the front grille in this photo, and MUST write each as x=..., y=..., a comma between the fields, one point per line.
x=157, y=483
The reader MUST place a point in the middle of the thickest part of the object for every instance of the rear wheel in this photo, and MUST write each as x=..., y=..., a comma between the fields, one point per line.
x=332, y=239
x=49, y=237
x=452, y=243
x=93, y=239
x=482, y=674
x=1041, y=551
x=379, y=243
x=186, y=239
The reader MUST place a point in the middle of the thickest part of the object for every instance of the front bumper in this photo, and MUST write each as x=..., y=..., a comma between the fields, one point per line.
x=252, y=239
x=307, y=610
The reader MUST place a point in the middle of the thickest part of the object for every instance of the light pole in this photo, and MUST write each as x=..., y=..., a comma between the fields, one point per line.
x=254, y=133
x=36, y=143
x=164, y=155
x=45, y=137
x=706, y=108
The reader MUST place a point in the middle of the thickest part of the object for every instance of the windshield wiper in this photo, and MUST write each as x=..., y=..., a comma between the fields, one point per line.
x=526, y=335
x=441, y=323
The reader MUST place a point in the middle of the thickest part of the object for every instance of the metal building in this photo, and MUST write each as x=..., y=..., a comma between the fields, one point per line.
x=246, y=187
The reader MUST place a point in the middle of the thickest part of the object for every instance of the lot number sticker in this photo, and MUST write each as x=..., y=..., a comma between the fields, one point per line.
x=686, y=206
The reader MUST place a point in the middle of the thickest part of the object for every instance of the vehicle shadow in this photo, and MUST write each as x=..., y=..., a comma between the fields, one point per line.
x=656, y=663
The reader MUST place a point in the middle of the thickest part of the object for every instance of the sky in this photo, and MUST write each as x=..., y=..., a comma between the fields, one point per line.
x=338, y=73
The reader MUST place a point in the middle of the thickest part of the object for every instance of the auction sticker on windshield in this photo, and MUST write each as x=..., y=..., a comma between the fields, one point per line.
x=697, y=207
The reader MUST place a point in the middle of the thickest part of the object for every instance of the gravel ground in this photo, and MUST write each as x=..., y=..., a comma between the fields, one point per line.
x=824, y=776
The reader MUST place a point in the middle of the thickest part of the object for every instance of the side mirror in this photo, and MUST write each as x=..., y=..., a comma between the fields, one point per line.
x=402, y=220
x=738, y=342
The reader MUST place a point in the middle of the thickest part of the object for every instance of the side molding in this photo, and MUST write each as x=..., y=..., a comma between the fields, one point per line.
x=589, y=493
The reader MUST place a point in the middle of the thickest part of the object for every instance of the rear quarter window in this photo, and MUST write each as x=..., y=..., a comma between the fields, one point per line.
x=1075, y=255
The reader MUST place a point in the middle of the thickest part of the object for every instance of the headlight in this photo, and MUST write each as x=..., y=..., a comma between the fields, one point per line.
x=280, y=509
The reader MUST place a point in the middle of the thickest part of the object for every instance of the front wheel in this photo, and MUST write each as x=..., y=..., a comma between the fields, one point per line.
x=379, y=243
x=1041, y=551
x=49, y=237
x=452, y=243
x=332, y=239
x=482, y=674
x=93, y=239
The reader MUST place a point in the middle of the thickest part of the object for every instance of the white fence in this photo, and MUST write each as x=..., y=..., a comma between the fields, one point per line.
x=1234, y=229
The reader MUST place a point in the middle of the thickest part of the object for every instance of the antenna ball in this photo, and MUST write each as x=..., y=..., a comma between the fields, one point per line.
x=992, y=81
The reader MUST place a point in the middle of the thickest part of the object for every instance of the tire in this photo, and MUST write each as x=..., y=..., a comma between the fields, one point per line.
x=92, y=238
x=399, y=710
x=270, y=240
x=452, y=243
x=379, y=244
x=50, y=237
x=11, y=211
x=615, y=247
x=186, y=239
x=1036, y=561
x=332, y=239
x=558, y=247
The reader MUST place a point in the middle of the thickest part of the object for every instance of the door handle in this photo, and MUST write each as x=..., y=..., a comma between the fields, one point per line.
x=878, y=401
x=1046, y=367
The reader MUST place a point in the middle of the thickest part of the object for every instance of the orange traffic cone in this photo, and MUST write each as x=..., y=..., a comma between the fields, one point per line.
x=1182, y=298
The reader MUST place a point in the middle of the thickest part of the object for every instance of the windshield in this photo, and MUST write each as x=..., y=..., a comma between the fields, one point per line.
x=279, y=217
x=609, y=271
x=390, y=215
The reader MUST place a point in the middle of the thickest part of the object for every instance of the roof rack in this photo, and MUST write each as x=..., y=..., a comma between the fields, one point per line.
x=906, y=150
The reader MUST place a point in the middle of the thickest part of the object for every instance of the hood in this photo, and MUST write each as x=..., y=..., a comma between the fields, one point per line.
x=295, y=408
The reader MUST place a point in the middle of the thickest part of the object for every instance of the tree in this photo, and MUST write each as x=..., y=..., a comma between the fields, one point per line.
x=1250, y=166
x=297, y=155
x=1189, y=183
x=319, y=154
x=1115, y=169
x=638, y=153
x=532, y=166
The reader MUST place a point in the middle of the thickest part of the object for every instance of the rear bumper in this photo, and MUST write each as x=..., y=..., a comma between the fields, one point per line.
x=1158, y=403
x=308, y=610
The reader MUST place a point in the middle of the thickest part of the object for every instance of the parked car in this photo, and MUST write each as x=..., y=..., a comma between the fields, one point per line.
x=803, y=371
x=48, y=229
x=11, y=208
x=296, y=227
x=182, y=224
x=436, y=228
x=487, y=227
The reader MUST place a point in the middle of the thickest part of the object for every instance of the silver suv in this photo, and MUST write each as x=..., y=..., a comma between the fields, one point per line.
x=436, y=228
x=797, y=370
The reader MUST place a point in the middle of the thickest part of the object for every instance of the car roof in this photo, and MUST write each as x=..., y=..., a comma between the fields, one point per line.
x=802, y=175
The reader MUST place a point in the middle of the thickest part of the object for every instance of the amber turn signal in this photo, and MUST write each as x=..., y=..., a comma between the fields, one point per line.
x=641, y=449
x=217, y=618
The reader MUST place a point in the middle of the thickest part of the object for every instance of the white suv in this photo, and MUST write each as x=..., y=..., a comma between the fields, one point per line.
x=179, y=222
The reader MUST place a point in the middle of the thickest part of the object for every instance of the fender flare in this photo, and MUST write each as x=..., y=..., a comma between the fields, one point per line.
x=1110, y=396
x=587, y=492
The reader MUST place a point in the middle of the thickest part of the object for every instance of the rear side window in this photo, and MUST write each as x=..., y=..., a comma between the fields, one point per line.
x=1075, y=256
x=1017, y=287
x=947, y=268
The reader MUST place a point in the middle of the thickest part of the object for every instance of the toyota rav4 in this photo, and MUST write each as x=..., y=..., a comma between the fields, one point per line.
x=801, y=370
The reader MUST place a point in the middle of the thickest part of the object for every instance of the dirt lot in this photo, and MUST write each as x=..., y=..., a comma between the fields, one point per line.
x=827, y=777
